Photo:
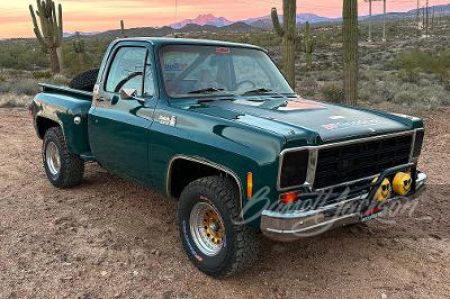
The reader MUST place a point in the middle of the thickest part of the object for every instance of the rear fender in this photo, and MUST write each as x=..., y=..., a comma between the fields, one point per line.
x=64, y=110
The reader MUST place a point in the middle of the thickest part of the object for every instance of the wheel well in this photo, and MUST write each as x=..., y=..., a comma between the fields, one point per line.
x=184, y=171
x=43, y=124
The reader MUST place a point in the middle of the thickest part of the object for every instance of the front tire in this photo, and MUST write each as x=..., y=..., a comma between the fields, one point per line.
x=212, y=240
x=63, y=169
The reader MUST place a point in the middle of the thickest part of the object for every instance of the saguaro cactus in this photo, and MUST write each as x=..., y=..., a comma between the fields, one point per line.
x=309, y=45
x=122, y=29
x=50, y=33
x=79, y=48
x=350, y=50
x=78, y=44
x=288, y=34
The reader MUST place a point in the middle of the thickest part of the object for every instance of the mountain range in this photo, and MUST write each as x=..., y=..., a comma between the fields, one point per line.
x=210, y=22
x=202, y=20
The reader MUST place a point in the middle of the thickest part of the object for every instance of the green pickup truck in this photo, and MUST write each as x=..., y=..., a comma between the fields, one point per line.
x=216, y=127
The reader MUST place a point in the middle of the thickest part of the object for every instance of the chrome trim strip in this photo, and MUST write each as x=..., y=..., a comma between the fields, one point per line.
x=280, y=165
x=411, y=158
x=307, y=213
x=315, y=148
x=204, y=162
x=279, y=231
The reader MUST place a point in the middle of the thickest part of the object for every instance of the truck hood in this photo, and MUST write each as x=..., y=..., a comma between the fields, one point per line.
x=296, y=116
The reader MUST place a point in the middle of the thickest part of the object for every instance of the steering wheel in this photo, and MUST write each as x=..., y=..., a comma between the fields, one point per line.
x=126, y=79
x=239, y=85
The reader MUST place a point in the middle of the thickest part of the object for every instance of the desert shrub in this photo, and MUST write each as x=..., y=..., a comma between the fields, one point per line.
x=11, y=101
x=60, y=80
x=42, y=74
x=5, y=87
x=406, y=97
x=431, y=96
x=26, y=87
x=308, y=86
x=329, y=76
x=333, y=92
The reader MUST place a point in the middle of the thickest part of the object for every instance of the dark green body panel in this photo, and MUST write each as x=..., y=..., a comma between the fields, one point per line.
x=132, y=141
x=62, y=108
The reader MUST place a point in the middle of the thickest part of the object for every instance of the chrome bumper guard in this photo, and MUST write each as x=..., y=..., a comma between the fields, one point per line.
x=293, y=225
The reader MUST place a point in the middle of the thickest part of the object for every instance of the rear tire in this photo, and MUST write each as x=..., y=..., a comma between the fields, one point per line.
x=63, y=169
x=235, y=246
x=85, y=80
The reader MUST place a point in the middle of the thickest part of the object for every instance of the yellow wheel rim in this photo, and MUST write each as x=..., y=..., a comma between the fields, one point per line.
x=207, y=228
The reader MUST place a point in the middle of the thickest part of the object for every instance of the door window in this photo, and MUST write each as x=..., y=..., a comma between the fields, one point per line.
x=126, y=70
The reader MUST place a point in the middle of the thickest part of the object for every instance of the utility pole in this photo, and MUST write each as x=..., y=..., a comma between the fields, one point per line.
x=418, y=15
x=427, y=18
x=423, y=21
x=370, y=19
x=432, y=19
x=384, y=20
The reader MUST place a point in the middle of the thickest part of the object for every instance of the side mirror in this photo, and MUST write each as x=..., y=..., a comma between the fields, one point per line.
x=127, y=94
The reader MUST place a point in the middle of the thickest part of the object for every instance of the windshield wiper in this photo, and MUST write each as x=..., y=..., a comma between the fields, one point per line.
x=206, y=90
x=259, y=90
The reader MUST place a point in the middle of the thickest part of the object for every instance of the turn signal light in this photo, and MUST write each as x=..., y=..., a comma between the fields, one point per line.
x=249, y=185
x=289, y=198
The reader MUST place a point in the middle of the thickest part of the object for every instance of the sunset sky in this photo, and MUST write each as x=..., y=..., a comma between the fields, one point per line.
x=100, y=15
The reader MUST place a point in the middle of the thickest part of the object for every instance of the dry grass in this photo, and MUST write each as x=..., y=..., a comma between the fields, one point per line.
x=17, y=88
x=10, y=100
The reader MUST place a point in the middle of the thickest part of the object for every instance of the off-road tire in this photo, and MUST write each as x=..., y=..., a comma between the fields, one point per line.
x=85, y=80
x=241, y=244
x=71, y=165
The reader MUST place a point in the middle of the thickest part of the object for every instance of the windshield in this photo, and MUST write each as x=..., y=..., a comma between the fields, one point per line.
x=211, y=70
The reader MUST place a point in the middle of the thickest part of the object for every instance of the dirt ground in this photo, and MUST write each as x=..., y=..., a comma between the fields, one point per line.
x=110, y=238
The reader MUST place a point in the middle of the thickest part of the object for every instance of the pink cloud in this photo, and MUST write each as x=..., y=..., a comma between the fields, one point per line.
x=93, y=15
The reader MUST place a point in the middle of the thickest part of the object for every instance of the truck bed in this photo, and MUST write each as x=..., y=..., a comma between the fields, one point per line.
x=48, y=88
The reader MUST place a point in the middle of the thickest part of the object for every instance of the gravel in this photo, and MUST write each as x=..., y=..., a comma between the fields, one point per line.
x=110, y=238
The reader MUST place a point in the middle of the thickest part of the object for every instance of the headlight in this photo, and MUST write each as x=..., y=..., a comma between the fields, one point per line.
x=417, y=146
x=293, y=168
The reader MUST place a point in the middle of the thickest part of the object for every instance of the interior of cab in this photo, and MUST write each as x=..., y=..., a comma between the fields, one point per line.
x=190, y=69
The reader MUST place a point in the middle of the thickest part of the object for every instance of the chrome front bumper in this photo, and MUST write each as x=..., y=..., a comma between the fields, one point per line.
x=293, y=225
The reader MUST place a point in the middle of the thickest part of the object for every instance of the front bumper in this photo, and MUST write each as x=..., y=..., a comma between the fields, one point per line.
x=293, y=225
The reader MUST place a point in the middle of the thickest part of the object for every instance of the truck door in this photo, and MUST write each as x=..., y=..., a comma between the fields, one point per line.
x=122, y=112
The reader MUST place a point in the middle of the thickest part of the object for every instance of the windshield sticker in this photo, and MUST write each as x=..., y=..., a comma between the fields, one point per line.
x=223, y=50
x=300, y=105
x=175, y=67
x=353, y=124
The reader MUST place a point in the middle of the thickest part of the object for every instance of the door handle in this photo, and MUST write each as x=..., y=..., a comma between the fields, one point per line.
x=100, y=99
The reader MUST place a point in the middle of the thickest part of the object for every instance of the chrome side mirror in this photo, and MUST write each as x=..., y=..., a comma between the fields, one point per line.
x=127, y=94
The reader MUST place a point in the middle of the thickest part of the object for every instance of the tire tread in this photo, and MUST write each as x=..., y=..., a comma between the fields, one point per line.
x=246, y=241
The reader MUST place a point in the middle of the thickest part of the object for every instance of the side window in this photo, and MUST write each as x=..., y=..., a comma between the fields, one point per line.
x=126, y=71
x=149, y=78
